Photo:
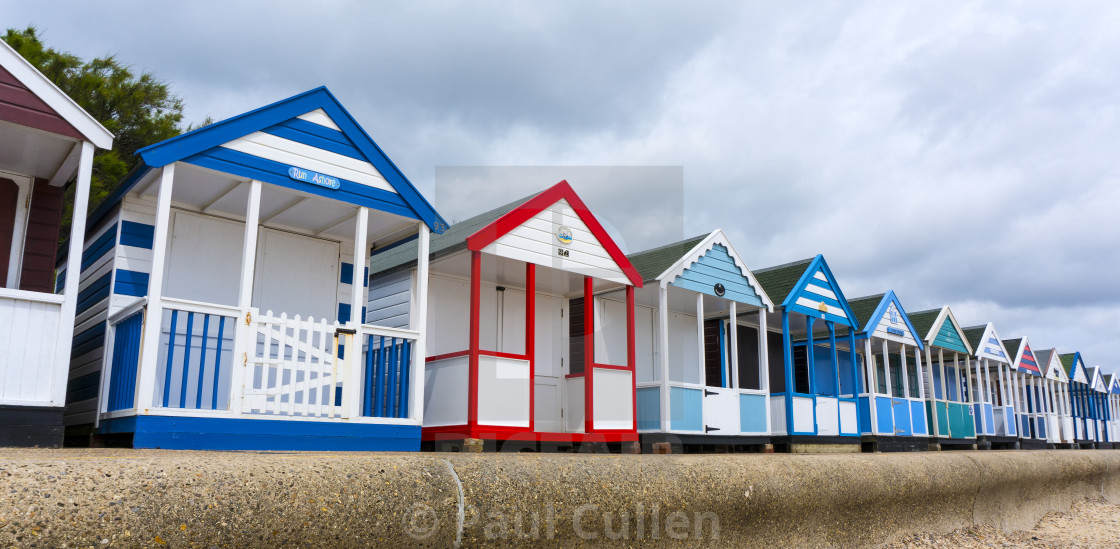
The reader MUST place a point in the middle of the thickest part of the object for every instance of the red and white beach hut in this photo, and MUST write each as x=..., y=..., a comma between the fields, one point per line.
x=514, y=296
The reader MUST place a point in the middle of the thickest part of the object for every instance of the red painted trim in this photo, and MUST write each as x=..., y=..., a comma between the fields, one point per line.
x=631, y=352
x=446, y=356
x=588, y=354
x=459, y=432
x=531, y=338
x=476, y=307
x=610, y=367
x=483, y=352
x=562, y=190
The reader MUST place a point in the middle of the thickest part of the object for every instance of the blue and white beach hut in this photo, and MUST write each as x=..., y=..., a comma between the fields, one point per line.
x=706, y=318
x=1112, y=400
x=892, y=402
x=1084, y=428
x=47, y=142
x=1098, y=408
x=814, y=397
x=1060, y=421
x=997, y=397
x=1034, y=428
x=222, y=291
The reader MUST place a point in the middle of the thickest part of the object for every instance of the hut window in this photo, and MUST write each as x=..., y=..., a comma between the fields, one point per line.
x=575, y=335
x=749, y=374
x=896, y=376
x=801, y=370
x=912, y=377
x=880, y=375
x=777, y=362
x=9, y=204
x=713, y=355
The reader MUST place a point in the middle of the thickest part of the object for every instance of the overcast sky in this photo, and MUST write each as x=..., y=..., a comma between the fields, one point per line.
x=958, y=154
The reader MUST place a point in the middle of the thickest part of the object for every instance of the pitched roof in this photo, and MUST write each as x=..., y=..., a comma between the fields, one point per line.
x=1042, y=357
x=780, y=280
x=864, y=307
x=651, y=263
x=54, y=99
x=975, y=335
x=1012, y=346
x=452, y=240
x=923, y=321
x=204, y=147
x=1067, y=363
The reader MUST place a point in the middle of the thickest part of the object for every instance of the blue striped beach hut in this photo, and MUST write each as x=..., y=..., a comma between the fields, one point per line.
x=223, y=291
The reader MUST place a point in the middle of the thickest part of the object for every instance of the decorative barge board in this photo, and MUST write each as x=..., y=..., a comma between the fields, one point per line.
x=704, y=321
x=946, y=363
x=47, y=142
x=1056, y=384
x=1084, y=435
x=530, y=344
x=1034, y=409
x=813, y=394
x=225, y=283
x=892, y=402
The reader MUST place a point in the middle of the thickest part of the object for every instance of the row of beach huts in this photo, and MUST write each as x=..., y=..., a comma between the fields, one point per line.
x=274, y=282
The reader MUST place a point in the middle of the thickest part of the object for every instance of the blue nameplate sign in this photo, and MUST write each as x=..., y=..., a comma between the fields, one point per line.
x=314, y=178
x=895, y=331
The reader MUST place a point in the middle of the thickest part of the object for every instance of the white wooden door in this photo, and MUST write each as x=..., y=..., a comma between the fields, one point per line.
x=549, y=353
x=721, y=411
x=297, y=275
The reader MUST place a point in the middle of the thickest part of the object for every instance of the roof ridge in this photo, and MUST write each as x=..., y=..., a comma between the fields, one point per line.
x=669, y=245
x=783, y=265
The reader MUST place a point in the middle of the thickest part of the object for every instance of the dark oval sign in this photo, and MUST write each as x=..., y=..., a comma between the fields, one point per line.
x=720, y=290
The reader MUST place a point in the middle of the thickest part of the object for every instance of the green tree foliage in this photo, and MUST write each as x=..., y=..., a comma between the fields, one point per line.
x=138, y=110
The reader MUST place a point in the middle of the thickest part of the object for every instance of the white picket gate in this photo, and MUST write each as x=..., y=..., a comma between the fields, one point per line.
x=292, y=367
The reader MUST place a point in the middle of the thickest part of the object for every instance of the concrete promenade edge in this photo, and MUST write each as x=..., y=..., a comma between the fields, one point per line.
x=129, y=498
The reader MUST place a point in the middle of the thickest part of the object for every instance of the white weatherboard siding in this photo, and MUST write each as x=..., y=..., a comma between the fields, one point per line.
x=390, y=297
x=614, y=399
x=503, y=391
x=320, y=117
x=573, y=405
x=291, y=153
x=28, y=335
x=204, y=259
x=535, y=241
x=84, y=411
x=445, y=400
x=684, y=349
x=899, y=324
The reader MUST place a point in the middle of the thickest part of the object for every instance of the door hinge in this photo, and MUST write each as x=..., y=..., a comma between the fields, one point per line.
x=27, y=203
x=708, y=429
x=244, y=359
x=708, y=393
x=248, y=318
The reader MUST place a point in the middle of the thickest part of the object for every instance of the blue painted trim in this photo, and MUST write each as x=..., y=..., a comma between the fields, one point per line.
x=344, y=312
x=60, y=281
x=170, y=360
x=217, y=363
x=95, y=293
x=208, y=137
x=92, y=338
x=192, y=433
x=126, y=358
x=818, y=263
x=246, y=165
x=286, y=131
x=346, y=273
x=133, y=283
x=137, y=235
x=723, y=366
x=98, y=248
x=881, y=310
x=392, y=245
x=406, y=363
